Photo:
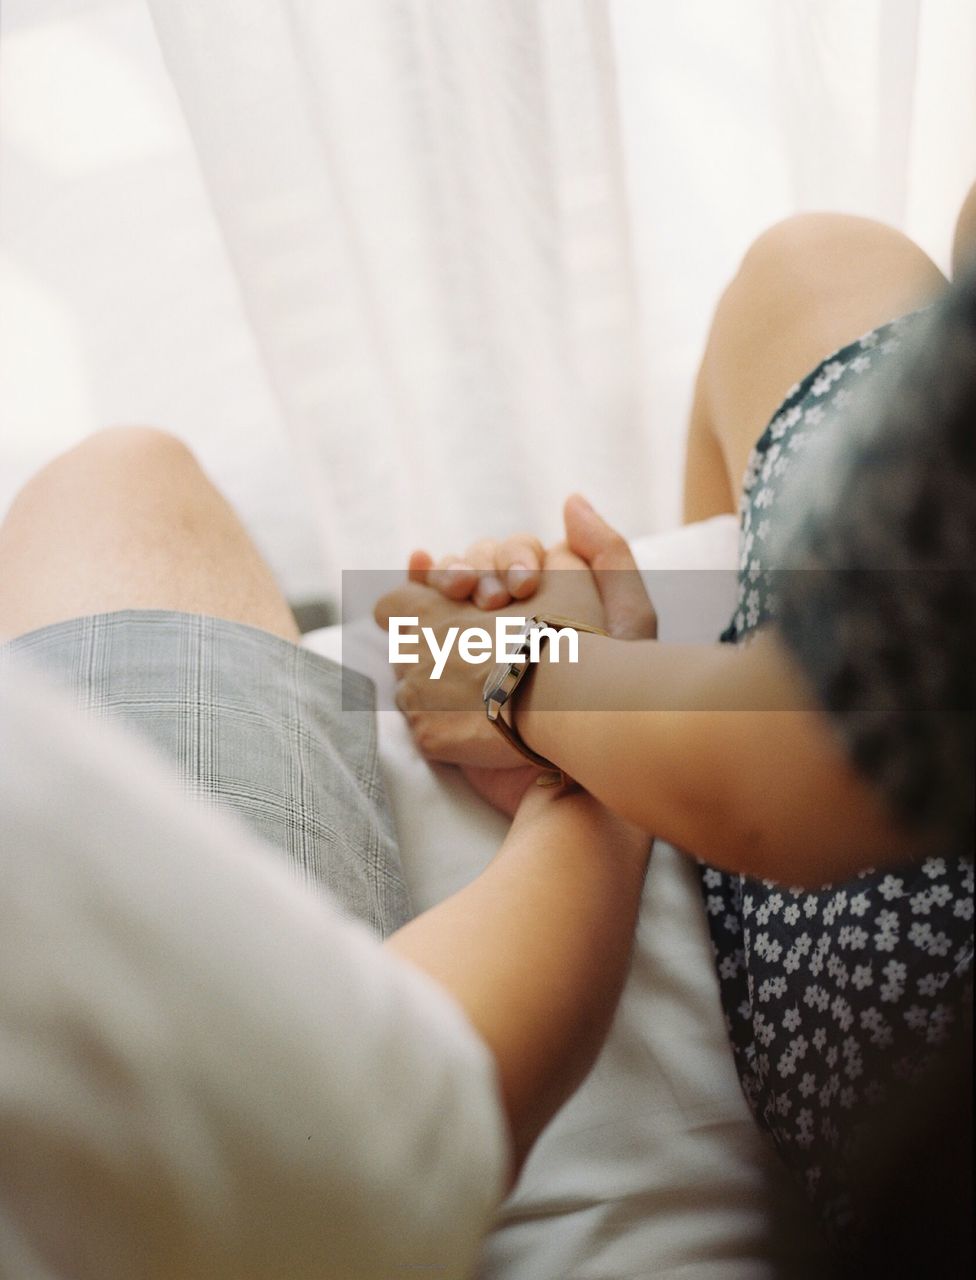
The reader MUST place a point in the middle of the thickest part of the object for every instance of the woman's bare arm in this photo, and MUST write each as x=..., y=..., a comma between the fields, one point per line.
x=716, y=748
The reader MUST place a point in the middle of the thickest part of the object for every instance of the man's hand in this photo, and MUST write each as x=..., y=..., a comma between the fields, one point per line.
x=504, y=789
x=492, y=573
x=447, y=716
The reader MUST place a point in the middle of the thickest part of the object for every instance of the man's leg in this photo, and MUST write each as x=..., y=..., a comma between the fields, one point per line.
x=807, y=286
x=127, y=520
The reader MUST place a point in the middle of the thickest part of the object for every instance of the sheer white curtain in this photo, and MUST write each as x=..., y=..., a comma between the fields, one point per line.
x=736, y=115
x=457, y=255
x=479, y=240
x=425, y=205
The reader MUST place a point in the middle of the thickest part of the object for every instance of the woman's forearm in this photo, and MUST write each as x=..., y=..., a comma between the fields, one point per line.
x=619, y=723
x=715, y=748
x=537, y=948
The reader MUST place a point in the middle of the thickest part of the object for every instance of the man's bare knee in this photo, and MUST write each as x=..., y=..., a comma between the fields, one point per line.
x=127, y=519
x=100, y=462
x=130, y=440
x=142, y=452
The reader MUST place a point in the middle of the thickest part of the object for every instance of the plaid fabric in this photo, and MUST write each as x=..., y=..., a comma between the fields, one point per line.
x=280, y=736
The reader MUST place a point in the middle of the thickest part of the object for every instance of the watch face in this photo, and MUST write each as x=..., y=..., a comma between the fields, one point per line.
x=497, y=682
x=493, y=680
x=504, y=676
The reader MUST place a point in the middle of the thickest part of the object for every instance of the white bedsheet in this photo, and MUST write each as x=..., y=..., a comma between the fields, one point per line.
x=655, y=1167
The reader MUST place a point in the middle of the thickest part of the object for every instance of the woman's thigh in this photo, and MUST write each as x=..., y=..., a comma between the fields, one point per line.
x=807, y=286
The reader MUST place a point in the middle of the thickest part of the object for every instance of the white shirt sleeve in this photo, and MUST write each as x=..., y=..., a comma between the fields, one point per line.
x=208, y=1071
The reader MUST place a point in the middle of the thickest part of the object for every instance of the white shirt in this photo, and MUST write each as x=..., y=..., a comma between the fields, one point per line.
x=205, y=1070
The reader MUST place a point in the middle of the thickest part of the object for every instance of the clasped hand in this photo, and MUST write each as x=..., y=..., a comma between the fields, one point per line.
x=590, y=578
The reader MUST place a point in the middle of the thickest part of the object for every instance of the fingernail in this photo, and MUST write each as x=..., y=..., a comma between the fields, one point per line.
x=519, y=575
x=490, y=588
x=455, y=570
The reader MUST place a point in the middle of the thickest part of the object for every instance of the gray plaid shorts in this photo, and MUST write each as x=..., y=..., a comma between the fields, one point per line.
x=280, y=736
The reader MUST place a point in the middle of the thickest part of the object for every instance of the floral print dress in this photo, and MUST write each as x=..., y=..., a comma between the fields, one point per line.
x=858, y=541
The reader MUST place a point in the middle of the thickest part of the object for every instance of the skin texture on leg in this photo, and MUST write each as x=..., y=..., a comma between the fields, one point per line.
x=128, y=520
x=807, y=286
x=708, y=486
x=964, y=241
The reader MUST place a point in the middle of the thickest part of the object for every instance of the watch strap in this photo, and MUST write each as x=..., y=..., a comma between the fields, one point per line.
x=553, y=776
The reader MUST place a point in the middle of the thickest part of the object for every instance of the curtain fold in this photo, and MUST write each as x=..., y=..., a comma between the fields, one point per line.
x=458, y=255
x=425, y=206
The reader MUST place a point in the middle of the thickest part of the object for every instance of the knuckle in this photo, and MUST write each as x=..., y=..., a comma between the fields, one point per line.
x=521, y=547
x=458, y=588
x=387, y=607
x=482, y=552
x=426, y=735
x=615, y=554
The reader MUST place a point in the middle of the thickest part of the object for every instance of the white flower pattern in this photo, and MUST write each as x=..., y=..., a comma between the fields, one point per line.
x=857, y=983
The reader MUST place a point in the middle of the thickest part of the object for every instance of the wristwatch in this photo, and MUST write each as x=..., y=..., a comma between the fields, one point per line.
x=505, y=677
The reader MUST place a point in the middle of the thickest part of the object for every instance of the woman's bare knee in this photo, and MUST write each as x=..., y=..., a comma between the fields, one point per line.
x=808, y=285
x=857, y=269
